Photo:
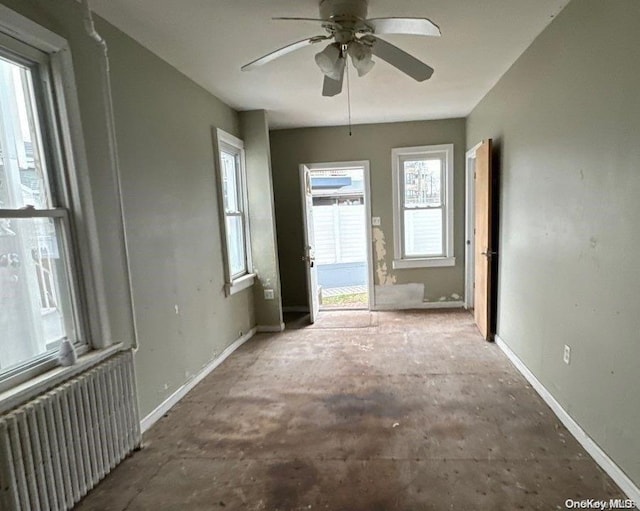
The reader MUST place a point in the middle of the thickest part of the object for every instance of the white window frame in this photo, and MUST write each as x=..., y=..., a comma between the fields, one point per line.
x=24, y=41
x=398, y=154
x=238, y=282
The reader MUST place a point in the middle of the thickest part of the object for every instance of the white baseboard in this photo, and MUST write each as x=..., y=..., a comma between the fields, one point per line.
x=270, y=328
x=423, y=305
x=600, y=457
x=168, y=403
x=296, y=308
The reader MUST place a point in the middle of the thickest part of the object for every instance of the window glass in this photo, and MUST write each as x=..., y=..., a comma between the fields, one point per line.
x=230, y=181
x=423, y=232
x=34, y=295
x=422, y=183
x=35, y=300
x=235, y=239
x=22, y=174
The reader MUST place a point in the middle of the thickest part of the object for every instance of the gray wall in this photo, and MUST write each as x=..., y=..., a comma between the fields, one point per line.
x=164, y=127
x=566, y=118
x=372, y=142
x=255, y=131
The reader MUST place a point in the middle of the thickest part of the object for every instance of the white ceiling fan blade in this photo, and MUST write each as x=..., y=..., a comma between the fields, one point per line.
x=409, y=26
x=289, y=18
x=283, y=51
x=400, y=59
x=331, y=87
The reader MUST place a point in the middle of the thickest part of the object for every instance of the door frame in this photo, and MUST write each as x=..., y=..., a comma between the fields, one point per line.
x=342, y=165
x=308, y=250
x=470, y=221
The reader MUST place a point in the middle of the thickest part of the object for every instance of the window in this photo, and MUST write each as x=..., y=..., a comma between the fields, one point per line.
x=423, y=206
x=233, y=199
x=39, y=305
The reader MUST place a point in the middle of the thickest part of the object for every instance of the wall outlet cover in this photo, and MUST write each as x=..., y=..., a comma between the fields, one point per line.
x=567, y=354
x=269, y=294
x=375, y=221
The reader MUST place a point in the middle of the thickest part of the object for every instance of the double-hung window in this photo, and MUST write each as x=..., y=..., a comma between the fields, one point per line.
x=233, y=198
x=39, y=306
x=423, y=206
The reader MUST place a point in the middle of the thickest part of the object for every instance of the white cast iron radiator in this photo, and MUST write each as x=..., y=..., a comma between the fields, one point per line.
x=57, y=447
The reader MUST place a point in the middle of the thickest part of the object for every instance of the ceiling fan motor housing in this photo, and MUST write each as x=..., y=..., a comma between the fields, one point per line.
x=354, y=10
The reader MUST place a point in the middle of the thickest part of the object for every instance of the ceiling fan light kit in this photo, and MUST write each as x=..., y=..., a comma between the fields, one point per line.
x=361, y=57
x=346, y=23
x=328, y=60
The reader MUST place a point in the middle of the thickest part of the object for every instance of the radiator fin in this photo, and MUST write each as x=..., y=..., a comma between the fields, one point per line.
x=58, y=446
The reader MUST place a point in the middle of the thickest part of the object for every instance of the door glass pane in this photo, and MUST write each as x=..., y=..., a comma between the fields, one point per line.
x=22, y=171
x=423, y=232
x=422, y=183
x=230, y=181
x=235, y=242
x=34, y=294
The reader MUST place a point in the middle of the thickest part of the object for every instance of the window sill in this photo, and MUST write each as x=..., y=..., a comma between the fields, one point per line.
x=431, y=262
x=240, y=284
x=28, y=390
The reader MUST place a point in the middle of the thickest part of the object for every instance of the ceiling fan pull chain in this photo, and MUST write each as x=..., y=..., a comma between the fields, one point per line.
x=348, y=94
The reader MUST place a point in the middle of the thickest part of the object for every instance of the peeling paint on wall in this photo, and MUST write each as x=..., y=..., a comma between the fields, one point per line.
x=265, y=282
x=385, y=278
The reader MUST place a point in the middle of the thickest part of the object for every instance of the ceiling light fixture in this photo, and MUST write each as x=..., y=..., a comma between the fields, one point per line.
x=330, y=61
x=361, y=57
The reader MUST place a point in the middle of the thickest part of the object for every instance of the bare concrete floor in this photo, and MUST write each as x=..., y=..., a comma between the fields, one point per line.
x=362, y=411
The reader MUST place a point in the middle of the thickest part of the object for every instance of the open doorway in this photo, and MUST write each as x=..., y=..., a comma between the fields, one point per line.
x=339, y=237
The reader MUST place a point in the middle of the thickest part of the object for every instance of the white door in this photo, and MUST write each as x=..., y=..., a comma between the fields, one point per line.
x=308, y=254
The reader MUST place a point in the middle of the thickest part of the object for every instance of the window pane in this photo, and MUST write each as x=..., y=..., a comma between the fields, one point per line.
x=34, y=292
x=235, y=243
x=423, y=232
x=230, y=181
x=422, y=183
x=22, y=171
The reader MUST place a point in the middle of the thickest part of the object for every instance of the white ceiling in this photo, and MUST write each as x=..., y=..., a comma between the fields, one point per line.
x=208, y=40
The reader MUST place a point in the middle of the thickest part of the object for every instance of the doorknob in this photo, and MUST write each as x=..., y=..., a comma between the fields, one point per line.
x=489, y=254
x=310, y=259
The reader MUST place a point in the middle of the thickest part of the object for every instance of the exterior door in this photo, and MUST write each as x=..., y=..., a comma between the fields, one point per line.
x=308, y=254
x=483, y=240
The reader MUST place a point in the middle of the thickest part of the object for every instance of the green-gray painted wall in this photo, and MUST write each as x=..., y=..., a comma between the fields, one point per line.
x=373, y=142
x=164, y=128
x=566, y=120
x=255, y=133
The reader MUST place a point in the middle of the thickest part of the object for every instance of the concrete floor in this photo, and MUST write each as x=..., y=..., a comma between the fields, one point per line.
x=362, y=411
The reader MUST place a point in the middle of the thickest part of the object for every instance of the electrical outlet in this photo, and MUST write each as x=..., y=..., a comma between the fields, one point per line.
x=375, y=221
x=268, y=294
x=567, y=354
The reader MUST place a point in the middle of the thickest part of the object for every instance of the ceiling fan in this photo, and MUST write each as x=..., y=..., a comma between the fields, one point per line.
x=353, y=35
